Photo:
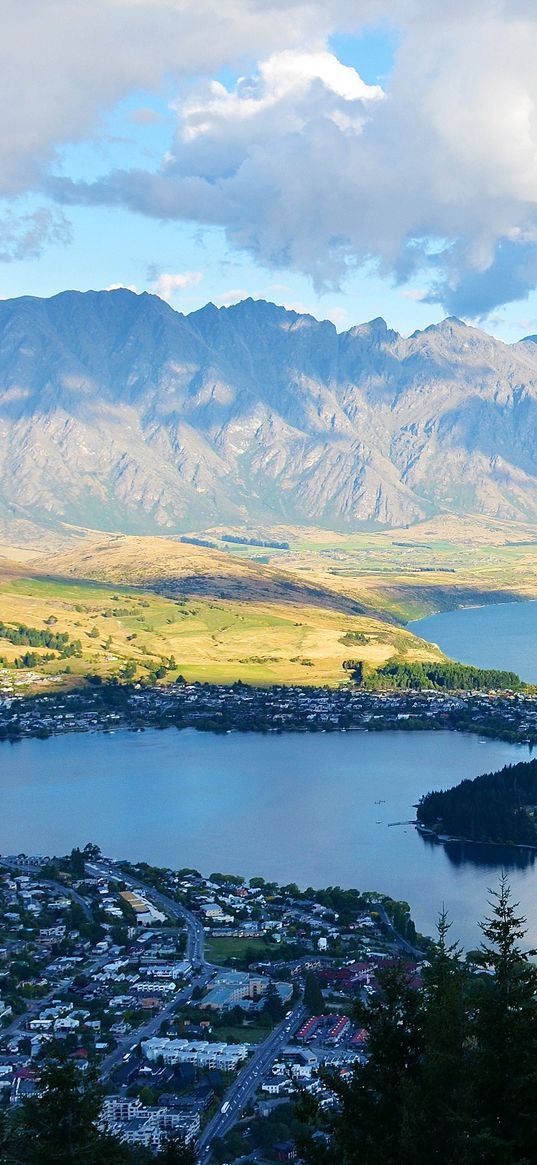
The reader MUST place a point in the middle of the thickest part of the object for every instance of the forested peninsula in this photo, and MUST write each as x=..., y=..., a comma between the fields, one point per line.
x=495, y=807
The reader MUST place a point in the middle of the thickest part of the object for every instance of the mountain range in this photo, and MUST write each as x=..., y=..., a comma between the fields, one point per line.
x=119, y=413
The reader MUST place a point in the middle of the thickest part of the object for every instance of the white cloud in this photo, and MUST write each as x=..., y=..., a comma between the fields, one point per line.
x=167, y=285
x=306, y=168
x=303, y=165
x=63, y=63
x=234, y=295
x=417, y=293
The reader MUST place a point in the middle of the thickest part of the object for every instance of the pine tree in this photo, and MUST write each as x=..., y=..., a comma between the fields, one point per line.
x=437, y=1128
x=505, y=1034
x=60, y=1124
x=273, y=1005
x=313, y=996
x=368, y=1126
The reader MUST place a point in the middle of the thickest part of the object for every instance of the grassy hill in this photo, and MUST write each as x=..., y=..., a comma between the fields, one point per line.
x=145, y=605
x=157, y=604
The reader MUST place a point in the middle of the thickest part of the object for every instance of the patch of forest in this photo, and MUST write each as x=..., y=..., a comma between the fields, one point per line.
x=495, y=807
x=238, y=540
x=449, y=1076
x=36, y=637
x=449, y=676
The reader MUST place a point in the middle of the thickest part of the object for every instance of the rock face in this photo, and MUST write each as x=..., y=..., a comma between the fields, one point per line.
x=117, y=412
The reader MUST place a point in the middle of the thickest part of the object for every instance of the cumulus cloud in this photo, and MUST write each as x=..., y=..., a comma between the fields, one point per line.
x=25, y=236
x=167, y=285
x=257, y=160
x=64, y=64
x=303, y=165
x=308, y=168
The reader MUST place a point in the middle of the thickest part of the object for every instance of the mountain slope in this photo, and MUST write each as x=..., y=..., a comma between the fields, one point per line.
x=117, y=412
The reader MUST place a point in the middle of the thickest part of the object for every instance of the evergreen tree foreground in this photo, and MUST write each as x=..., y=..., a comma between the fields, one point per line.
x=451, y=1074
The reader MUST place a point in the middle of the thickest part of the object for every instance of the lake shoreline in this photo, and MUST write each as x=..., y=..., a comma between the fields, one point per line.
x=446, y=839
x=486, y=635
x=242, y=801
x=505, y=716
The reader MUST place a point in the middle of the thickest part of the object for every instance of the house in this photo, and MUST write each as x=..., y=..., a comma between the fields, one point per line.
x=285, y=1151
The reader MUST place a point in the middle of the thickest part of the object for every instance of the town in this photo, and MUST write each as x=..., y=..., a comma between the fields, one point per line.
x=206, y=1004
x=510, y=716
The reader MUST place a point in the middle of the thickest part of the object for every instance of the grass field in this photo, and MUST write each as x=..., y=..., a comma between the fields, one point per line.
x=194, y=620
x=243, y=1035
x=396, y=574
x=221, y=950
x=146, y=605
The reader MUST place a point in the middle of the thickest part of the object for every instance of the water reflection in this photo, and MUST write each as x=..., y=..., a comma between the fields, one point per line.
x=485, y=857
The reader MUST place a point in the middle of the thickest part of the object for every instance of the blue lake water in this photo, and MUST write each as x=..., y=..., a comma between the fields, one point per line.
x=316, y=809
x=503, y=635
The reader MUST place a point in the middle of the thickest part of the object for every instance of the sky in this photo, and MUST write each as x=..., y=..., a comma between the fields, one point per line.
x=350, y=158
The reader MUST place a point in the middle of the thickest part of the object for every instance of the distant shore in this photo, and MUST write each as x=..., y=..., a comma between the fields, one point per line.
x=213, y=708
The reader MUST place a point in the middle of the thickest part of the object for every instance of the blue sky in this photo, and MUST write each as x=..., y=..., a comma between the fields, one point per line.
x=331, y=169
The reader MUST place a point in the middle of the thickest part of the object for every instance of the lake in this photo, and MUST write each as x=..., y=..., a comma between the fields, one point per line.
x=316, y=809
x=502, y=635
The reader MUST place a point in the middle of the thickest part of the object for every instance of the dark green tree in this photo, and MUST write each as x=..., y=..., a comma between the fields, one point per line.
x=273, y=1005
x=76, y=862
x=369, y=1126
x=313, y=996
x=504, y=1070
x=174, y=1151
x=436, y=1128
x=60, y=1125
x=92, y=852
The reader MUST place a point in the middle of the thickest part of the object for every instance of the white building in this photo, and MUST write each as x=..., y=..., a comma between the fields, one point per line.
x=198, y=1052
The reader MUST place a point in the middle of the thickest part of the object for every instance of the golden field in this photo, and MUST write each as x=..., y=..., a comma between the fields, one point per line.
x=255, y=614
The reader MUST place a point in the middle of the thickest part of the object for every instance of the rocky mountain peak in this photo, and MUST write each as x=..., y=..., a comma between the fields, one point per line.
x=117, y=412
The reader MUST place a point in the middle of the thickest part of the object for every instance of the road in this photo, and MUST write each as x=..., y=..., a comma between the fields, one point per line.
x=402, y=942
x=195, y=952
x=18, y=1025
x=249, y=1080
x=59, y=886
x=195, y=940
x=126, y=1045
x=253, y=1073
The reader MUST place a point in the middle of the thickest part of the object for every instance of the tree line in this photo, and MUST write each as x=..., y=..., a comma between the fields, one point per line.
x=495, y=807
x=238, y=540
x=449, y=676
x=35, y=637
x=451, y=1070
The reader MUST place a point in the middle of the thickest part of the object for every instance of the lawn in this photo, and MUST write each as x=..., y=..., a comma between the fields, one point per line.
x=221, y=950
x=243, y=1035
